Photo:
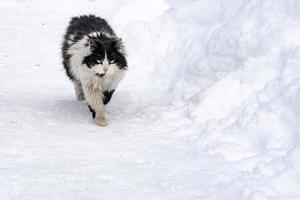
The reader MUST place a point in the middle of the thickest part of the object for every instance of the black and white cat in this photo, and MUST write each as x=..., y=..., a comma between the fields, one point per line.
x=94, y=59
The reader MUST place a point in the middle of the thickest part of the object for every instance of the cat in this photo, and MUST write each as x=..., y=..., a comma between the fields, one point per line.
x=95, y=61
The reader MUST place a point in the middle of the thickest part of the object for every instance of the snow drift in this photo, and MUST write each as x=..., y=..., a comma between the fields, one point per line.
x=234, y=66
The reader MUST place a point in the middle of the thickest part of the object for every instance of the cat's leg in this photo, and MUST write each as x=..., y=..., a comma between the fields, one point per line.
x=78, y=91
x=94, y=99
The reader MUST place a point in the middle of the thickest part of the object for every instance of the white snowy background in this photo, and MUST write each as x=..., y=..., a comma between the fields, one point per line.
x=209, y=109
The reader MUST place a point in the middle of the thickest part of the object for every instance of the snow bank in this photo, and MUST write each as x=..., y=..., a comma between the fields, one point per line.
x=234, y=65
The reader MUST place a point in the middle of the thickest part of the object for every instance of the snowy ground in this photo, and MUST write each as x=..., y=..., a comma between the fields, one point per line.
x=210, y=108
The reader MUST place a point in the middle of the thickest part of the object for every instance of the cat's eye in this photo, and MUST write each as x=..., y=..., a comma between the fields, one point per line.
x=99, y=62
x=111, y=62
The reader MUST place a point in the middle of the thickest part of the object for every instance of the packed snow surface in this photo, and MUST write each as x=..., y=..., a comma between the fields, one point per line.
x=209, y=109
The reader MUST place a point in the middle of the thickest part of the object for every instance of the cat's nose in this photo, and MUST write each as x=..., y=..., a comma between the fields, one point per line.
x=105, y=67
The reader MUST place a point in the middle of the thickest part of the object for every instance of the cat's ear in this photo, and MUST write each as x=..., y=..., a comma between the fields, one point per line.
x=92, y=44
x=118, y=45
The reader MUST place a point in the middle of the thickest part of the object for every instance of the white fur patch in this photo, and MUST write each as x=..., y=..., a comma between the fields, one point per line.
x=70, y=39
x=112, y=77
x=95, y=34
x=78, y=52
x=105, y=61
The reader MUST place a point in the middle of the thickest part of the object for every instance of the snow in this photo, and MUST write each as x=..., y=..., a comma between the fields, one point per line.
x=209, y=108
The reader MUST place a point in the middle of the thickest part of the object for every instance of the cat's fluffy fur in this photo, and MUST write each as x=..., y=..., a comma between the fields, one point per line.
x=94, y=59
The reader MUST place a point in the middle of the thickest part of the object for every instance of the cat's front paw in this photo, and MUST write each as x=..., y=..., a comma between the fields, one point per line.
x=101, y=121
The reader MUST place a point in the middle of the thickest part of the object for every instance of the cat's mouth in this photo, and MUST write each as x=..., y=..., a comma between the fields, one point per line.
x=100, y=75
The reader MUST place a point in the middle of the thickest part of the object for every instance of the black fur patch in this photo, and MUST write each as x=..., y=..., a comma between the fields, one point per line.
x=92, y=60
x=107, y=96
x=92, y=111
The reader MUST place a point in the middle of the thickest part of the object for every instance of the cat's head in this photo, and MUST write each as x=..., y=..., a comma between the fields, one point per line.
x=106, y=56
